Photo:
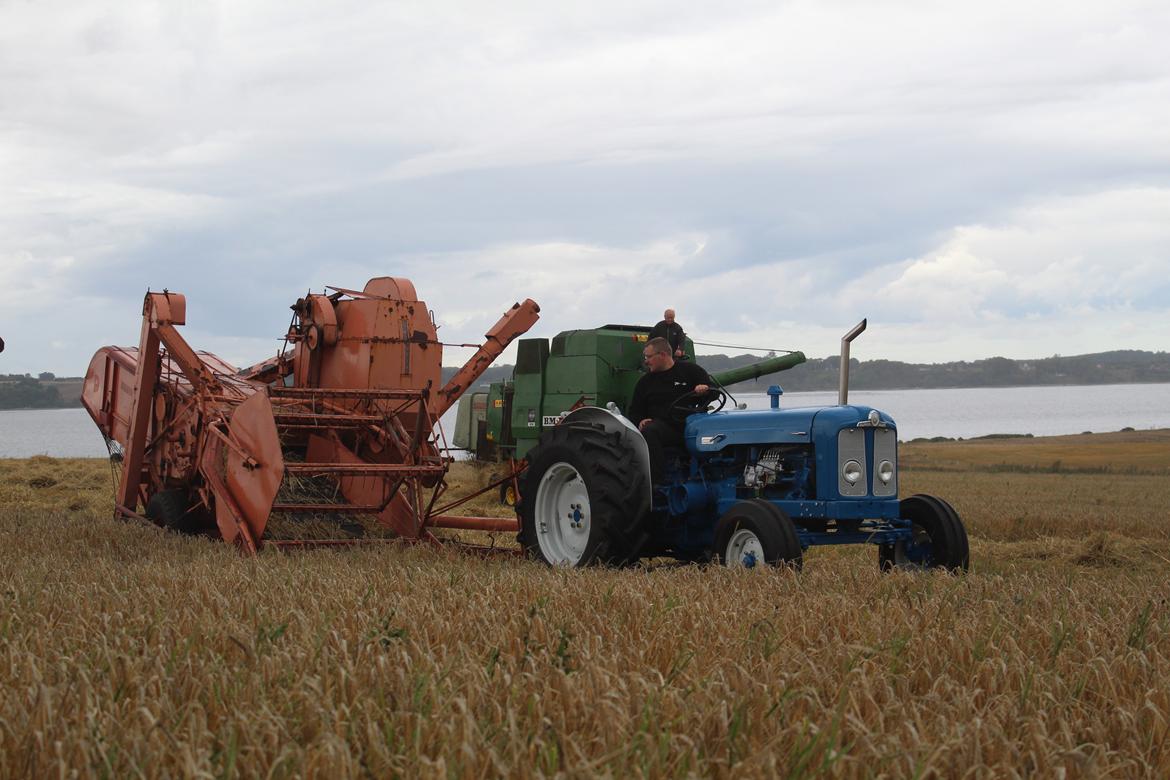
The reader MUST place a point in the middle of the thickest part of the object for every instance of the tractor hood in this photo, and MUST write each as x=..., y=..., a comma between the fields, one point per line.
x=713, y=432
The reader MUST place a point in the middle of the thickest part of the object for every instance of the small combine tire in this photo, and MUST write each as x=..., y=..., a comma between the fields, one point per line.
x=578, y=495
x=172, y=509
x=508, y=494
x=756, y=532
x=939, y=542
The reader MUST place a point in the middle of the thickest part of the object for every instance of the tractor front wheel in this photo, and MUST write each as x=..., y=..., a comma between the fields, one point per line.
x=939, y=540
x=578, y=495
x=756, y=532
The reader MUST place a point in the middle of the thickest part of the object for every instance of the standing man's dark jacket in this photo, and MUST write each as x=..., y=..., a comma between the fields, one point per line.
x=672, y=332
x=656, y=391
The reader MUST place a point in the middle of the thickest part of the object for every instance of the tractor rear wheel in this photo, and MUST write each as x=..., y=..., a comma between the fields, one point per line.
x=756, y=532
x=578, y=495
x=174, y=510
x=939, y=539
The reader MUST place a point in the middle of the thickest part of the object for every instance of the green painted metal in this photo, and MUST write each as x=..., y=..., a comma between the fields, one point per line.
x=764, y=367
x=580, y=368
x=498, y=436
x=528, y=379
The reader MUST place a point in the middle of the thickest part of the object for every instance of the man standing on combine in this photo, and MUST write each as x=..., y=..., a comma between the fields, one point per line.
x=671, y=331
x=667, y=381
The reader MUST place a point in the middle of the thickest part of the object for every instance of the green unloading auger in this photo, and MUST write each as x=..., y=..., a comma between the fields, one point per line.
x=755, y=370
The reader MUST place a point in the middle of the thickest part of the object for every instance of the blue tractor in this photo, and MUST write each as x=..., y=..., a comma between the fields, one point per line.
x=749, y=488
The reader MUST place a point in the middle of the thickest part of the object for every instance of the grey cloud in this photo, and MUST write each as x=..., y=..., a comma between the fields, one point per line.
x=794, y=158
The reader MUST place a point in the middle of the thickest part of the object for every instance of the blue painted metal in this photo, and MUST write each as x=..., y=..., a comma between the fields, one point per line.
x=918, y=553
x=774, y=393
x=866, y=533
x=687, y=497
x=802, y=444
x=845, y=509
x=764, y=426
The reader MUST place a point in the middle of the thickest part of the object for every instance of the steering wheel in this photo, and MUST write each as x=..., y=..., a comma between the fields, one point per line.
x=692, y=403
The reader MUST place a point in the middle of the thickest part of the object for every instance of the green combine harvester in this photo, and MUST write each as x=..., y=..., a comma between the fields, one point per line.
x=580, y=368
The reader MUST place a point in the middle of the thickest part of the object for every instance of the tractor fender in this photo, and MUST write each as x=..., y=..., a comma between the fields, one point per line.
x=615, y=422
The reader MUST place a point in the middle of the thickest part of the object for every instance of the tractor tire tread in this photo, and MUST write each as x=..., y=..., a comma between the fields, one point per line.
x=772, y=526
x=612, y=476
x=945, y=528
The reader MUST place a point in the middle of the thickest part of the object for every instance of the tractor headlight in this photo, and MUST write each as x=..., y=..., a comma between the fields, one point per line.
x=851, y=471
x=885, y=472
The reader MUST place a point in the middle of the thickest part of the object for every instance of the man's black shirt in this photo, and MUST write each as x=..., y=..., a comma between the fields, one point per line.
x=672, y=332
x=655, y=392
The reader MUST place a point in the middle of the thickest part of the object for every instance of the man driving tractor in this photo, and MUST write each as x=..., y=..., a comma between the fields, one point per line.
x=653, y=406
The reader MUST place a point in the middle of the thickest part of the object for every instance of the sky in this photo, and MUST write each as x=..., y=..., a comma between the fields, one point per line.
x=976, y=179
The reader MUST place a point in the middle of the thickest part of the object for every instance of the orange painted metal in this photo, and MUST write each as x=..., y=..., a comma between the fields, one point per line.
x=514, y=323
x=475, y=523
x=252, y=465
x=354, y=399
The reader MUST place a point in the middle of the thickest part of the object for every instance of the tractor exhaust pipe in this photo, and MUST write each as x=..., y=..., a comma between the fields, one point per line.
x=843, y=387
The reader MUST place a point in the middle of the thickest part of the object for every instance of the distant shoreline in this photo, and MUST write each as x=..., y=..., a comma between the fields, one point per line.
x=997, y=444
x=760, y=387
x=1101, y=369
x=1119, y=367
x=854, y=388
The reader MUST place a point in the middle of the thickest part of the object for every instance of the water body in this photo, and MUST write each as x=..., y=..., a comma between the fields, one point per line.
x=970, y=412
x=60, y=433
x=955, y=413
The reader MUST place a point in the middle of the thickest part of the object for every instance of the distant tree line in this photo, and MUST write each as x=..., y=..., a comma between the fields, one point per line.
x=1115, y=367
x=1102, y=368
x=21, y=391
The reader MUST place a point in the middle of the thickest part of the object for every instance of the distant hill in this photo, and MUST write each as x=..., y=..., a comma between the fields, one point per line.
x=1102, y=368
x=20, y=391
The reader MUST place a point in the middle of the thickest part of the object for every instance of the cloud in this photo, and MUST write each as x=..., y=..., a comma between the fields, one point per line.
x=1101, y=250
x=577, y=285
x=1088, y=270
x=970, y=176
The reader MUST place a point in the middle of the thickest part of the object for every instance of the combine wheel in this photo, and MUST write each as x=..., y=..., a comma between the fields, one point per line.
x=577, y=496
x=939, y=541
x=756, y=532
x=172, y=509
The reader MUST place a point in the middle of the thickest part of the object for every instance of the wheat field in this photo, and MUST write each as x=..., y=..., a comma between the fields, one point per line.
x=126, y=651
